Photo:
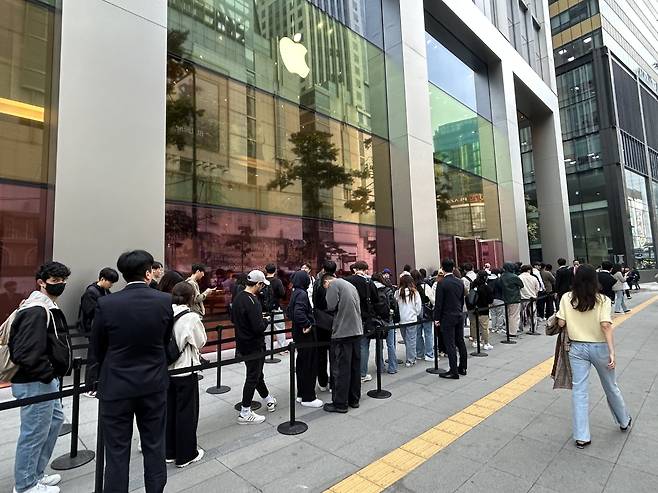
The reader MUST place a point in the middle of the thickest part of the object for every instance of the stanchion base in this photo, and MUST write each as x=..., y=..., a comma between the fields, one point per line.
x=479, y=355
x=255, y=406
x=66, y=462
x=272, y=361
x=292, y=428
x=65, y=429
x=222, y=389
x=435, y=371
x=379, y=394
x=508, y=342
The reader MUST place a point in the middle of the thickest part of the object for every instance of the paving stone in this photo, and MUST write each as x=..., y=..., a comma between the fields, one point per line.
x=573, y=471
x=639, y=453
x=482, y=442
x=446, y=472
x=492, y=480
x=524, y=457
x=624, y=478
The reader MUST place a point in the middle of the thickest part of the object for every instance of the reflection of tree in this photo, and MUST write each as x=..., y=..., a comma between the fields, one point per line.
x=361, y=200
x=443, y=189
x=180, y=225
x=242, y=243
x=532, y=220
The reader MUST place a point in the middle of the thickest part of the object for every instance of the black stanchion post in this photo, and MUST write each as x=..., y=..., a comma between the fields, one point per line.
x=272, y=359
x=378, y=393
x=100, y=455
x=66, y=427
x=292, y=427
x=75, y=458
x=219, y=388
x=507, y=339
x=435, y=370
x=478, y=353
x=533, y=318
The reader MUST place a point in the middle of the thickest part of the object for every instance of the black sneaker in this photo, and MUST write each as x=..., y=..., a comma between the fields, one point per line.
x=354, y=405
x=331, y=408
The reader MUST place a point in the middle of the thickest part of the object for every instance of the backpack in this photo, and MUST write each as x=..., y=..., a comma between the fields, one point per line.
x=382, y=308
x=172, y=351
x=267, y=298
x=472, y=298
x=428, y=308
x=7, y=367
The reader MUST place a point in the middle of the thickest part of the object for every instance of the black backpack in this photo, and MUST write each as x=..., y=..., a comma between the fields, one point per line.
x=172, y=350
x=267, y=299
x=472, y=298
x=382, y=307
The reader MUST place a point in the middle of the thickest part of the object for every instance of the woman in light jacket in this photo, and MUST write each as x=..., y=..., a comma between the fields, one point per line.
x=183, y=392
x=586, y=315
x=619, y=287
x=411, y=308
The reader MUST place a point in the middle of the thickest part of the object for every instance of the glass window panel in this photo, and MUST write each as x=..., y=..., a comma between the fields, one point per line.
x=361, y=16
x=638, y=209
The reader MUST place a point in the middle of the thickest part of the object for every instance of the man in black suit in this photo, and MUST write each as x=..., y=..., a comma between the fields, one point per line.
x=129, y=334
x=563, y=278
x=448, y=316
x=606, y=280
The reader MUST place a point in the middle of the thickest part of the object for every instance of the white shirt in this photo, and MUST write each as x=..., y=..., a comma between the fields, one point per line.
x=530, y=287
x=411, y=309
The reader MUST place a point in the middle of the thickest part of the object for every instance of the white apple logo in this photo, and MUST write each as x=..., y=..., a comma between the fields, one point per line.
x=293, y=54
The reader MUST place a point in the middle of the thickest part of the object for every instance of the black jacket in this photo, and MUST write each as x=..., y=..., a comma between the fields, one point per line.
x=563, y=280
x=299, y=307
x=129, y=334
x=41, y=353
x=88, y=303
x=367, y=295
x=247, y=316
x=449, y=300
x=606, y=281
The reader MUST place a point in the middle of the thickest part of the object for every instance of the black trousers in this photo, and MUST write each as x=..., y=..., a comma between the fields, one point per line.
x=452, y=330
x=117, y=424
x=182, y=418
x=323, y=357
x=254, y=380
x=546, y=306
x=346, y=371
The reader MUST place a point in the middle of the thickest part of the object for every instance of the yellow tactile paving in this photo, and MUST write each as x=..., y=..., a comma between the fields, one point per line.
x=382, y=473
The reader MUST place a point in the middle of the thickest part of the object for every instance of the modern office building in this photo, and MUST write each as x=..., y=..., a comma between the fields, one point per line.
x=239, y=132
x=606, y=56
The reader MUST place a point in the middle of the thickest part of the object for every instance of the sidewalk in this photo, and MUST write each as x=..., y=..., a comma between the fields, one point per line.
x=525, y=446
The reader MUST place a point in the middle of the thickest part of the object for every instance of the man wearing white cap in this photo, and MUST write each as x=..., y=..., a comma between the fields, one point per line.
x=247, y=316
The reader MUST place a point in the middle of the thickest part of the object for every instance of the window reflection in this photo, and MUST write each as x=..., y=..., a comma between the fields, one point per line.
x=638, y=209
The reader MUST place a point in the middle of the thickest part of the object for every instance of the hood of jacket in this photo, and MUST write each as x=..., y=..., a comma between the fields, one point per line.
x=301, y=280
x=379, y=285
x=37, y=298
x=179, y=309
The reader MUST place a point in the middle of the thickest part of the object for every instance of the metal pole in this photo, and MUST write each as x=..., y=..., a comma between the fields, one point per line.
x=272, y=359
x=435, y=370
x=378, y=393
x=66, y=427
x=219, y=388
x=477, y=353
x=507, y=339
x=292, y=427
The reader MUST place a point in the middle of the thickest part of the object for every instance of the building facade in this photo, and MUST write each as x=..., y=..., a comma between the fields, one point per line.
x=606, y=54
x=243, y=132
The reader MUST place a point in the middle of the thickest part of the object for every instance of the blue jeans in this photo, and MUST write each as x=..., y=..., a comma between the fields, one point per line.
x=409, y=336
x=392, y=355
x=620, y=302
x=40, y=424
x=581, y=356
x=365, y=355
x=425, y=340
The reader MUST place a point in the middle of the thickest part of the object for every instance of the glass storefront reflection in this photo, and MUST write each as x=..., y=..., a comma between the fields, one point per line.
x=638, y=209
x=232, y=241
x=292, y=49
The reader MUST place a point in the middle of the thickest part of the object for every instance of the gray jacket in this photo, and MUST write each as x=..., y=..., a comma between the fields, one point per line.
x=343, y=297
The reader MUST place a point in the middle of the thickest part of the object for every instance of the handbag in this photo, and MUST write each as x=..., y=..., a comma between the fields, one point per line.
x=323, y=320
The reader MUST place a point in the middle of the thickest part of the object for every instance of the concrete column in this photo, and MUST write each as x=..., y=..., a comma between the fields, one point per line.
x=110, y=172
x=412, y=167
x=552, y=196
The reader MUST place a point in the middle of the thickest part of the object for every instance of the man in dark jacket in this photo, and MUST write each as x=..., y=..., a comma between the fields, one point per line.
x=88, y=302
x=40, y=347
x=301, y=314
x=130, y=331
x=563, y=279
x=270, y=298
x=606, y=281
x=247, y=316
x=323, y=333
x=368, y=298
x=448, y=316
x=511, y=286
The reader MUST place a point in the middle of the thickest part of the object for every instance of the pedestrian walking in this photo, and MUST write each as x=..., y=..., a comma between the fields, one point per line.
x=133, y=373
x=189, y=334
x=586, y=315
x=606, y=280
x=40, y=348
x=198, y=273
x=250, y=325
x=619, y=288
x=411, y=309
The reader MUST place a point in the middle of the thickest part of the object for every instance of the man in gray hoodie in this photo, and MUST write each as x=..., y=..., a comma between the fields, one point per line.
x=347, y=330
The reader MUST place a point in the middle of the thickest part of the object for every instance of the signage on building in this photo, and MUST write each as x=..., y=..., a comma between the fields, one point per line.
x=647, y=79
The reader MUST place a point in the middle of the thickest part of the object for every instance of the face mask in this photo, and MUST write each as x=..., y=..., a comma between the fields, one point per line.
x=55, y=289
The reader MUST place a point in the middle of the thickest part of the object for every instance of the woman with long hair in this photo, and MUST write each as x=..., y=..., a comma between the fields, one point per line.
x=619, y=288
x=585, y=313
x=424, y=331
x=479, y=312
x=169, y=280
x=411, y=308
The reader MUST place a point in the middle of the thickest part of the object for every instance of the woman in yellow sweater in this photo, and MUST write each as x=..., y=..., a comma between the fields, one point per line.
x=586, y=315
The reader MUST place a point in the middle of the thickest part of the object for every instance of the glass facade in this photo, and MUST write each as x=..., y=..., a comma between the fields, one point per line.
x=277, y=145
x=464, y=157
x=638, y=210
x=26, y=50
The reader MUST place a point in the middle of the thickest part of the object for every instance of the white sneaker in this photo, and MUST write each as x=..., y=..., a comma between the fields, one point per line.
x=271, y=406
x=487, y=347
x=299, y=400
x=251, y=418
x=316, y=403
x=420, y=358
x=199, y=456
x=50, y=479
x=41, y=488
x=324, y=389
x=475, y=344
x=427, y=358
x=170, y=461
x=367, y=378
x=409, y=364
x=91, y=395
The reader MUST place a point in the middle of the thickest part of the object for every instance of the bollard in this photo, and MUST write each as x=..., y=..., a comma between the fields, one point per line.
x=219, y=388
x=533, y=308
x=66, y=427
x=100, y=455
x=478, y=353
x=435, y=370
x=378, y=393
x=292, y=427
x=272, y=359
x=74, y=458
x=507, y=339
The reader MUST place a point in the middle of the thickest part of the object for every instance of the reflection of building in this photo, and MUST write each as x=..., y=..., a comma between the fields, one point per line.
x=606, y=53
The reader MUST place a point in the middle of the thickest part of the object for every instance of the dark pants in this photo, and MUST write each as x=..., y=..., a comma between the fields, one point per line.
x=150, y=413
x=254, y=380
x=306, y=369
x=182, y=418
x=346, y=371
x=452, y=330
x=323, y=357
x=546, y=306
